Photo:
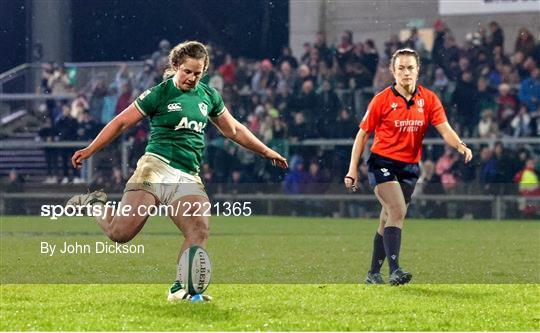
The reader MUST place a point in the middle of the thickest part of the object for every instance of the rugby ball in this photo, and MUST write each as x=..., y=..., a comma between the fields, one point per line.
x=194, y=270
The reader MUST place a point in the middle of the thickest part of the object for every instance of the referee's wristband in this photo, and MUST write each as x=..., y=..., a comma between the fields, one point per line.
x=461, y=143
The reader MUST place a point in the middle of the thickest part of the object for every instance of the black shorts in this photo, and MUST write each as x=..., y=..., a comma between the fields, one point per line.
x=383, y=169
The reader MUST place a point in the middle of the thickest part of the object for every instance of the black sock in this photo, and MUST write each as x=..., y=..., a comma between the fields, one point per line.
x=378, y=253
x=392, y=243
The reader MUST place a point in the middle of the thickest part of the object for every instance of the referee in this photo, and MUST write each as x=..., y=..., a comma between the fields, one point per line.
x=399, y=116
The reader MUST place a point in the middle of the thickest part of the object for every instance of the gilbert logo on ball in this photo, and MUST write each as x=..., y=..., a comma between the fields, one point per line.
x=194, y=270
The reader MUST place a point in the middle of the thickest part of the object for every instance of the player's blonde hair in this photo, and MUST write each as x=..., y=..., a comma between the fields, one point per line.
x=405, y=52
x=181, y=52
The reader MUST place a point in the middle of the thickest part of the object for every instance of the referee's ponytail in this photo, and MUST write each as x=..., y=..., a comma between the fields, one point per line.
x=181, y=52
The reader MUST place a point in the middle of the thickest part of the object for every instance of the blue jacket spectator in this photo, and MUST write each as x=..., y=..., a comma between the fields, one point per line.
x=529, y=92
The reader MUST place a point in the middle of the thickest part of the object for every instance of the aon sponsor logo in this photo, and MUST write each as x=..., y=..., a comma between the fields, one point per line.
x=185, y=123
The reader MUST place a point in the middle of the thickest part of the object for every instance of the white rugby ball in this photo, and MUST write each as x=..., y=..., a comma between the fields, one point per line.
x=194, y=270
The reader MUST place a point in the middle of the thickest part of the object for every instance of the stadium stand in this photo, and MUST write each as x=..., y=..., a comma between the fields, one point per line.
x=490, y=96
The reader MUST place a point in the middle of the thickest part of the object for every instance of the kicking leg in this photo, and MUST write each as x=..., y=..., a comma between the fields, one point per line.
x=118, y=227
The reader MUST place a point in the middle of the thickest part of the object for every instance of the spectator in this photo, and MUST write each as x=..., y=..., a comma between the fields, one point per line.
x=487, y=127
x=506, y=165
x=324, y=52
x=123, y=76
x=228, y=70
x=371, y=58
x=79, y=106
x=315, y=184
x=265, y=130
x=279, y=129
x=313, y=59
x=97, y=98
x=116, y=182
x=450, y=57
x=160, y=58
x=345, y=127
x=507, y=106
x=88, y=128
x=304, y=59
x=486, y=171
x=444, y=168
x=437, y=52
x=59, y=81
x=529, y=92
x=429, y=183
x=521, y=123
x=296, y=178
x=466, y=116
x=299, y=129
x=518, y=62
x=235, y=182
x=243, y=75
x=146, y=78
x=496, y=36
x=529, y=186
x=384, y=77
x=414, y=42
x=286, y=56
x=325, y=73
x=524, y=42
x=304, y=74
x=263, y=78
x=499, y=56
x=67, y=131
x=328, y=106
x=125, y=98
x=286, y=79
x=47, y=72
x=306, y=103
x=109, y=104
x=392, y=45
x=484, y=96
x=47, y=133
x=345, y=49
x=215, y=80
x=207, y=174
x=441, y=86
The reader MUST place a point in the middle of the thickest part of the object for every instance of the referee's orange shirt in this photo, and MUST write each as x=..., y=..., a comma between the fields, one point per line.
x=399, y=125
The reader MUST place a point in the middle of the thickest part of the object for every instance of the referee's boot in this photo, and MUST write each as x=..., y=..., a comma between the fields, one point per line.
x=399, y=276
x=374, y=278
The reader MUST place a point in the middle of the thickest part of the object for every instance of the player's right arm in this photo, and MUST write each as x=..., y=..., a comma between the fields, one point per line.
x=357, y=150
x=129, y=117
x=367, y=125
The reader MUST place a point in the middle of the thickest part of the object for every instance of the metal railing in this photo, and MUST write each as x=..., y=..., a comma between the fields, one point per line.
x=30, y=73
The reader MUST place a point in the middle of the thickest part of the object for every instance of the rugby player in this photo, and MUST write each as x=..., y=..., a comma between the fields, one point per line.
x=179, y=109
x=399, y=116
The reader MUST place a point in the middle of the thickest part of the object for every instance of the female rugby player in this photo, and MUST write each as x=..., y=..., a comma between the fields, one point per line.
x=179, y=109
x=399, y=116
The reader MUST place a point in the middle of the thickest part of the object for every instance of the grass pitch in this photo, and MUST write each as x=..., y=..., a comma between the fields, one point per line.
x=274, y=274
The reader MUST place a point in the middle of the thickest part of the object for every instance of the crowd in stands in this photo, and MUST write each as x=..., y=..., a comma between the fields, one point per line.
x=487, y=91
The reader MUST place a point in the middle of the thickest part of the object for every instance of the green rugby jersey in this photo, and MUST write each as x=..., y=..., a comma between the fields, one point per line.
x=178, y=122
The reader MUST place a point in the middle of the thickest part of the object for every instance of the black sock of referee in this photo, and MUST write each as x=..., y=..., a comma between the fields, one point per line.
x=392, y=243
x=378, y=253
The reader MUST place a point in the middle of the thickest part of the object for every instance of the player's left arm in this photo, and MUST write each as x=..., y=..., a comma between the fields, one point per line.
x=235, y=131
x=453, y=140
